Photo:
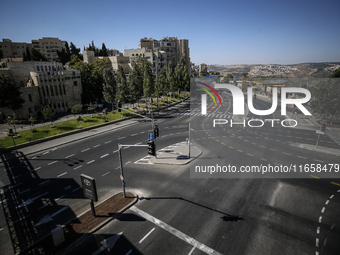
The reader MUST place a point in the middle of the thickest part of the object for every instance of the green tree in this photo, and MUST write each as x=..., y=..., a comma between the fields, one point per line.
x=63, y=56
x=170, y=77
x=48, y=113
x=110, y=86
x=135, y=83
x=336, y=73
x=122, y=88
x=74, y=50
x=326, y=97
x=148, y=81
x=10, y=94
x=76, y=109
x=32, y=119
x=103, y=50
x=162, y=83
x=36, y=55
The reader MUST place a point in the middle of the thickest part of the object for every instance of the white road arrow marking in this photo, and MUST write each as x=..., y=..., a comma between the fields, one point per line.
x=108, y=243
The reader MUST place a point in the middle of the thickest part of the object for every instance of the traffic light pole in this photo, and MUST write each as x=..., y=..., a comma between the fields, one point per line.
x=120, y=146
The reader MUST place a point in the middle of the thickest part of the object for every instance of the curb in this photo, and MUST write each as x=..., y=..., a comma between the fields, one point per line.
x=85, y=235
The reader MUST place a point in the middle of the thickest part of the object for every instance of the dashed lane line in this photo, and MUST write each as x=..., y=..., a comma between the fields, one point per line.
x=62, y=174
x=77, y=167
x=106, y=173
x=104, y=156
x=85, y=150
x=69, y=156
x=52, y=162
x=90, y=161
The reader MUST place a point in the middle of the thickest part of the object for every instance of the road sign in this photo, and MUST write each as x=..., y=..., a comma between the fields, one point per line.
x=320, y=132
x=150, y=136
x=121, y=177
x=89, y=187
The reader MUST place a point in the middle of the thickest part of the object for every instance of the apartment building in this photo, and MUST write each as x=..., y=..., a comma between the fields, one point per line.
x=44, y=83
x=203, y=68
x=48, y=46
x=13, y=49
x=115, y=61
x=156, y=57
x=173, y=47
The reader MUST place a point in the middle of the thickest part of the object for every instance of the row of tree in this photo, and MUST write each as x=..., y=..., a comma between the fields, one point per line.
x=99, y=81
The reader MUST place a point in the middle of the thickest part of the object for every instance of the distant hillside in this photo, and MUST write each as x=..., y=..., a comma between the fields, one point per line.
x=273, y=70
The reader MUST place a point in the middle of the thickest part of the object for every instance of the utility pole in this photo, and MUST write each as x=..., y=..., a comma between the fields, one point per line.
x=189, y=140
x=121, y=162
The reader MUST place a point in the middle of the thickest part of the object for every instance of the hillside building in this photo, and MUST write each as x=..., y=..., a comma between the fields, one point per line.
x=44, y=83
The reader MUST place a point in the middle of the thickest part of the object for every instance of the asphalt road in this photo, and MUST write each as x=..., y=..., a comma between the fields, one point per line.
x=180, y=214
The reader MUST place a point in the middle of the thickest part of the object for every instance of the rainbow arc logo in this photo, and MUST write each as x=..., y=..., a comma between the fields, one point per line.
x=204, y=97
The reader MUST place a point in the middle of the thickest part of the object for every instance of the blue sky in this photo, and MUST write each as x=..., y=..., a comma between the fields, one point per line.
x=219, y=32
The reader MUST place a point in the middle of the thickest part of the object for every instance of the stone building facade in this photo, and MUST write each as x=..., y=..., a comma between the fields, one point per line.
x=44, y=83
x=13, y=49
x=173, y=47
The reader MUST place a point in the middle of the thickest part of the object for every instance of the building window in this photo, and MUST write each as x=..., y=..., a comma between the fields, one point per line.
x=38, y=68
x=43, y=90
x=54, y=106
x=64, y=89
x=66, y=104
x=60, y=91
x=46, y=68
x=58, y=105
x=30, y=97
x=47, y=91
x=56, y=90
x=29, y=110
x=63, y=105
x=49, y=68
x=75, y=83
x=52, y=93
x=35, y=108
x=42, y=69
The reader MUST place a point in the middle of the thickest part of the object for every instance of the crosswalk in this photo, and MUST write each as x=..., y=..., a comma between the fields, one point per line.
x=196, y=114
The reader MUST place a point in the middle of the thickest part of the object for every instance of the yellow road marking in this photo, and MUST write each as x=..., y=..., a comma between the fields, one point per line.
x=277, y=164
x=314, y=177
x=231, y=147
x=337, y=184
x=263, y=159
x=239, y=150
x=250, y=154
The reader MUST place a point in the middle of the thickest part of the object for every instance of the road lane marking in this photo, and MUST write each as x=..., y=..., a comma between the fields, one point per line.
x=134, y=134
x=76, y=189
x=52, y=162
x=335, y=183
x=45, y=152
x=117, y=167
x=59, y=198
x=128, y=162
x=318, y=160
x=106, y=173
x=96, y=146
x=327, y=202
x=34, y=157
x=174, y=231
x=331, y=196
x=62, y=174
x=286, y=153
x=77, y=167
x=25, y=191
x=314, y=176
x=44, y=182
x=85, y=150
x=323, y=209
x=301, y=157
x=192, y=250
x=318, y=230
x=146, y=235
x=90, y=162
x=119, y=138
x=320, y=219
x=107, y=142
x=115, y=151
x=250, y=154
x=69, y=156
x=37, y=168
x=104, y=156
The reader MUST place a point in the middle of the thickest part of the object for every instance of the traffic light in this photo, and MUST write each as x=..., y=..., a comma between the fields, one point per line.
x=151, y=147
x=156, y=131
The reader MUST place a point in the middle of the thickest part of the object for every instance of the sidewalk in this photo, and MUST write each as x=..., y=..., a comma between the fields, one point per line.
x=177, y=154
